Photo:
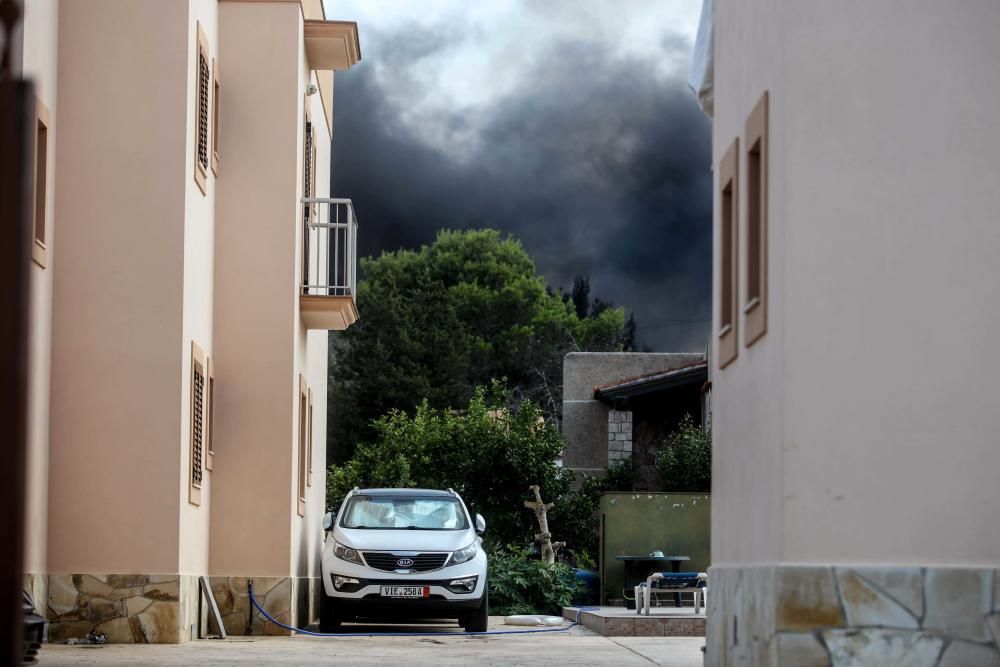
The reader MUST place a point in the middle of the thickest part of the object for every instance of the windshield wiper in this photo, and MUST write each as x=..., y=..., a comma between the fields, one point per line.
x=419, y=528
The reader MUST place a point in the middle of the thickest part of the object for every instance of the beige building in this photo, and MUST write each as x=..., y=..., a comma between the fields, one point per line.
x=182, y=292
x=856, y=420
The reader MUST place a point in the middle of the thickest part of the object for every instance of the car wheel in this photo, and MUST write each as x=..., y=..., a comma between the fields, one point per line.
x=329, y=619
x=480, y=619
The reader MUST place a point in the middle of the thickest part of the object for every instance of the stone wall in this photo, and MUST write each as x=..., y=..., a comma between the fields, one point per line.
x=850, y=616
x=128, y=608
x=292, y=600
x=649, y=433
x=163, y=609
x=619, y=436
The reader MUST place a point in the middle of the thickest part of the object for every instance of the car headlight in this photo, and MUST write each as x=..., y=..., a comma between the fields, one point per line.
x=464, y=554
x=344, y=552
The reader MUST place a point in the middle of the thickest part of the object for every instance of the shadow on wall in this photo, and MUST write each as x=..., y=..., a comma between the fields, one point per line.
x=632, y=524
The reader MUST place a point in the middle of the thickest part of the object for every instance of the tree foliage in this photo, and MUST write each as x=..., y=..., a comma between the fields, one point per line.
x=488, y=453
x=438, y=321
x=685, y=459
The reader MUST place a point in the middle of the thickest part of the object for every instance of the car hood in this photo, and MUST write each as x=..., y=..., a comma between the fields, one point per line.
x=368, y=539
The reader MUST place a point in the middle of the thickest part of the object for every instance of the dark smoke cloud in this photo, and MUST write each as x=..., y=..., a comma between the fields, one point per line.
x=597, y=163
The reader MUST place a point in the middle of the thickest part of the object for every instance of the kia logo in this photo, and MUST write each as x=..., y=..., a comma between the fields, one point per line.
x=404, y=562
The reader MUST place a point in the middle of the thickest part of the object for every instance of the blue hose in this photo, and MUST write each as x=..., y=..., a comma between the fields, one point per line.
x=266, y=615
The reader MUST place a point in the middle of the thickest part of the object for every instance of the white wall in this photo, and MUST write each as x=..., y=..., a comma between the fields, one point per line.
x=863, y=426
x=39, y=63
x=118, y=288
x=311, y=356
x=255, y=307
x=199, y=256
x=892, y=168
x=748, y=394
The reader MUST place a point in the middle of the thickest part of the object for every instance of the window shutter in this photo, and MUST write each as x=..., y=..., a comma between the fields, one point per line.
x=198, y=427
x=308, y=190
x=203, y=83
x=199, y=366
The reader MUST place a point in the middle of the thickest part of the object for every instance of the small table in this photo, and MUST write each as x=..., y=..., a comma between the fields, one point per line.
x=630, y=561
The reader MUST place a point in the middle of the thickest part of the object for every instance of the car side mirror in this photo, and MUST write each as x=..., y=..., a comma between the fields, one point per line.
x=480, y=524
x=328, y=521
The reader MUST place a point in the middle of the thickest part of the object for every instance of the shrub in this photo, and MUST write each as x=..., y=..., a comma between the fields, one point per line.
x=519, y=585
x=685, y=460
x=489, y=454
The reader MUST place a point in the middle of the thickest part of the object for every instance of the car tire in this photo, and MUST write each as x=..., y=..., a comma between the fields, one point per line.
x=329, y=619
x=480, y=619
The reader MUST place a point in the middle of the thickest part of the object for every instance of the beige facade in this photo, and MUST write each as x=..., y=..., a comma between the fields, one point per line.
x=854, y=496
x=168, y=350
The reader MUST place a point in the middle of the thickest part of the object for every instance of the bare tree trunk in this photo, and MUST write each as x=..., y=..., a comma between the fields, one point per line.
x=544, y=537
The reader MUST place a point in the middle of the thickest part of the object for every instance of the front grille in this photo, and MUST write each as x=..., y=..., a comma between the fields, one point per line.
x=389, y=562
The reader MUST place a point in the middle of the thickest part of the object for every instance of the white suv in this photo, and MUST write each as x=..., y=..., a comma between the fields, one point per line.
x=399, y=554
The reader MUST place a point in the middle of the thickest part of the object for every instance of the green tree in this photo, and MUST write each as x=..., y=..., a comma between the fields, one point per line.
x=685, y=459
x=438, y=321
x=488, y=453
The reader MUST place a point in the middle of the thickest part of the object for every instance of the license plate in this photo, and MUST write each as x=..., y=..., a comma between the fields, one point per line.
x=406, y=591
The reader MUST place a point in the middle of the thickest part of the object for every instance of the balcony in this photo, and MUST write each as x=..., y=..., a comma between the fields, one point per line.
x=329, y=264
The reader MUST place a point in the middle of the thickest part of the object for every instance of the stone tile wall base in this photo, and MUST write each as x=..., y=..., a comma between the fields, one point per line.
x=291, y=600
x=782, y=615
x=128, y=608
x=163, y=608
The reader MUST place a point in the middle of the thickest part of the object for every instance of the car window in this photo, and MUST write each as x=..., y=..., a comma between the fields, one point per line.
x=404, y=513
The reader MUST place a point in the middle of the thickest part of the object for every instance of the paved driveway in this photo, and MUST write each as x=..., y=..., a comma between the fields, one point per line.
x=577, y=647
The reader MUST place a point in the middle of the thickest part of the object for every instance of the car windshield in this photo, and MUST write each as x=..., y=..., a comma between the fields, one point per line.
x=404, y=513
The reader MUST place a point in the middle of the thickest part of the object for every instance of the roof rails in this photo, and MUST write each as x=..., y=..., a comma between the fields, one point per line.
x=452, y=491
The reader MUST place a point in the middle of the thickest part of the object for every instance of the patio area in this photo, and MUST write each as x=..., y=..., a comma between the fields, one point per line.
x=621, y=622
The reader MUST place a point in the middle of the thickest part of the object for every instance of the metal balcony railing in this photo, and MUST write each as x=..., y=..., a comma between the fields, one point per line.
x=329, y=248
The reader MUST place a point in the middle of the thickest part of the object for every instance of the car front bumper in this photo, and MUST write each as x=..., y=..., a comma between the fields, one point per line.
x=371, y=581
x=399, y=609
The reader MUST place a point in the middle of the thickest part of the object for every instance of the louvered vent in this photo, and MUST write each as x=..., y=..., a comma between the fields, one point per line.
x=307, y=185
x=197, y=426
x=204, y=76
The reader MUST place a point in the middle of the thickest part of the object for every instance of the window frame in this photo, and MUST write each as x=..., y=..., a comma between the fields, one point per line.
x=755, y=305
x=309, y=161
x=729, y=228
x=210, y=415
x=309, y=442
x=216, y=110
x=310, y=212
x=300, y=487
x=196, y=454
x=40, y=185
x=201, y=170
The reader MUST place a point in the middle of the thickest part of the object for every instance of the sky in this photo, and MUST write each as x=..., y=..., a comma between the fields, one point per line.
x=567, y=123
